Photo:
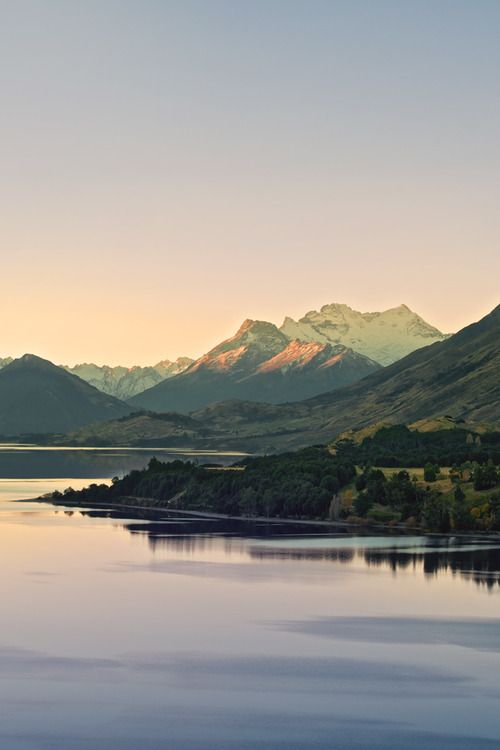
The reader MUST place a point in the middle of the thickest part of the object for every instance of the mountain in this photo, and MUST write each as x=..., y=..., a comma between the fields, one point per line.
x=36, y=396
x=302, y=370
x=458, y=377
x=125, y=382
x=258, y=363
x=454, y=382
x=141, y=428
x=382, y=336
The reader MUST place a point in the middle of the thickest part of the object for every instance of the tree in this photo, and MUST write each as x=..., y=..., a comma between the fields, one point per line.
x=248, y=502
x=435, y=512
x=462, y=518
x=484, y=476
x=431, y=472
x=361, y=482
x=362, y=504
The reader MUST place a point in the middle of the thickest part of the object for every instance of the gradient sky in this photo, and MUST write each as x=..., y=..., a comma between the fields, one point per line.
x=171, y=168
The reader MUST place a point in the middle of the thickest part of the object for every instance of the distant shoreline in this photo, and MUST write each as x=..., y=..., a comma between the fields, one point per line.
x=215, y=516
x=398, y=529
x=132, y=448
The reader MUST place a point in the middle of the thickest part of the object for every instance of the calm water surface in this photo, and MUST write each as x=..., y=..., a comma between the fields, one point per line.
x=123, y=631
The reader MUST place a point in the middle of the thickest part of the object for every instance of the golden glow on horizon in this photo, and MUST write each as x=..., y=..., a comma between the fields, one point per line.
x=354, y=159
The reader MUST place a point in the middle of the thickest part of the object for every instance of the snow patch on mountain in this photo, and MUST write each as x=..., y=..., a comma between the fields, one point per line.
x=382, y=336
x=125, y=382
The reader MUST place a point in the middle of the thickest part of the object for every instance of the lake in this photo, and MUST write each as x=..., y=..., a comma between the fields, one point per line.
x=123, y=630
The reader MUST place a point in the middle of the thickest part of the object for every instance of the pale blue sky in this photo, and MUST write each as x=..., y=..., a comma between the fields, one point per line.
x=170, y=168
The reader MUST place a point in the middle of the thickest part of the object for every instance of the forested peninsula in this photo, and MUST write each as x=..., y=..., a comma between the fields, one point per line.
x=441, y=481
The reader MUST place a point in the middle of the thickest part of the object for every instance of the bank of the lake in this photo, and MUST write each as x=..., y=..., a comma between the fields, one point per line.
x=313, y=484
x=131, y=627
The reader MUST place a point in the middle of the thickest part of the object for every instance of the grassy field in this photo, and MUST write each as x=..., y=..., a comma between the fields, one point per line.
x=443, y=484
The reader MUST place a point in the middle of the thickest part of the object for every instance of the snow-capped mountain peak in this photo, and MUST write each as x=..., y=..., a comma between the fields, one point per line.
x=125, y=382
x=382, y=336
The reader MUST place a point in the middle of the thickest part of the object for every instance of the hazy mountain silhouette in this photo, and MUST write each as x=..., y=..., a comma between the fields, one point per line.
x=36, y=396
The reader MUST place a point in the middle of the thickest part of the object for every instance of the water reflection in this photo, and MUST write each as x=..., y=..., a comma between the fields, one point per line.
x=479, y=564
x=473, y=558
x=125, y=629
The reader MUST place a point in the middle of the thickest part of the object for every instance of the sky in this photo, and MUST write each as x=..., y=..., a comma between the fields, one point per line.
x=169, y=169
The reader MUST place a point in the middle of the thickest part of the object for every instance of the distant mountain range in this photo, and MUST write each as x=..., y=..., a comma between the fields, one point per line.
x=258, y=363
x=299, y=372
x=39, y=397
x=323, y=351
x=382, y=336
x=456, y=379
x=125, y=382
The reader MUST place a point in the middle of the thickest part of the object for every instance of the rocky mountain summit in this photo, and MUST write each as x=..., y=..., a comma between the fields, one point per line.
x=383, y=336
x=323, y=350
x=258, y=363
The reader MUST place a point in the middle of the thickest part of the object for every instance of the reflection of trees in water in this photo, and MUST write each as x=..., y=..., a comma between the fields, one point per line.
x=191, y=534
x=342, y=555
x=479, y=565
x=172, y=531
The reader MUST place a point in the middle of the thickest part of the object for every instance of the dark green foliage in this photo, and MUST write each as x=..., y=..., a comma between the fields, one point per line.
x=297, y=485
x=399, y=493
x=485, y=477
x=462, y=518
x=361, y=482
x=494, y=503
x=362, y=504
x=400, y=446
x=435, y=513
x=306, y=484
x=431, y=472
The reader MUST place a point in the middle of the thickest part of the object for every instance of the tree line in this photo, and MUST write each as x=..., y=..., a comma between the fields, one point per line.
x=300, y=484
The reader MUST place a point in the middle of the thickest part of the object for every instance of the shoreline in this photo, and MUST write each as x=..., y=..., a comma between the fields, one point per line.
x=209, y=515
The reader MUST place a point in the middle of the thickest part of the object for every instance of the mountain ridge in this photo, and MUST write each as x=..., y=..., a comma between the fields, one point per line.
x=456, y=377
x=380, y=336
x=384, y=336
x=258, y=363
x=125, y=382
x=38, y=397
